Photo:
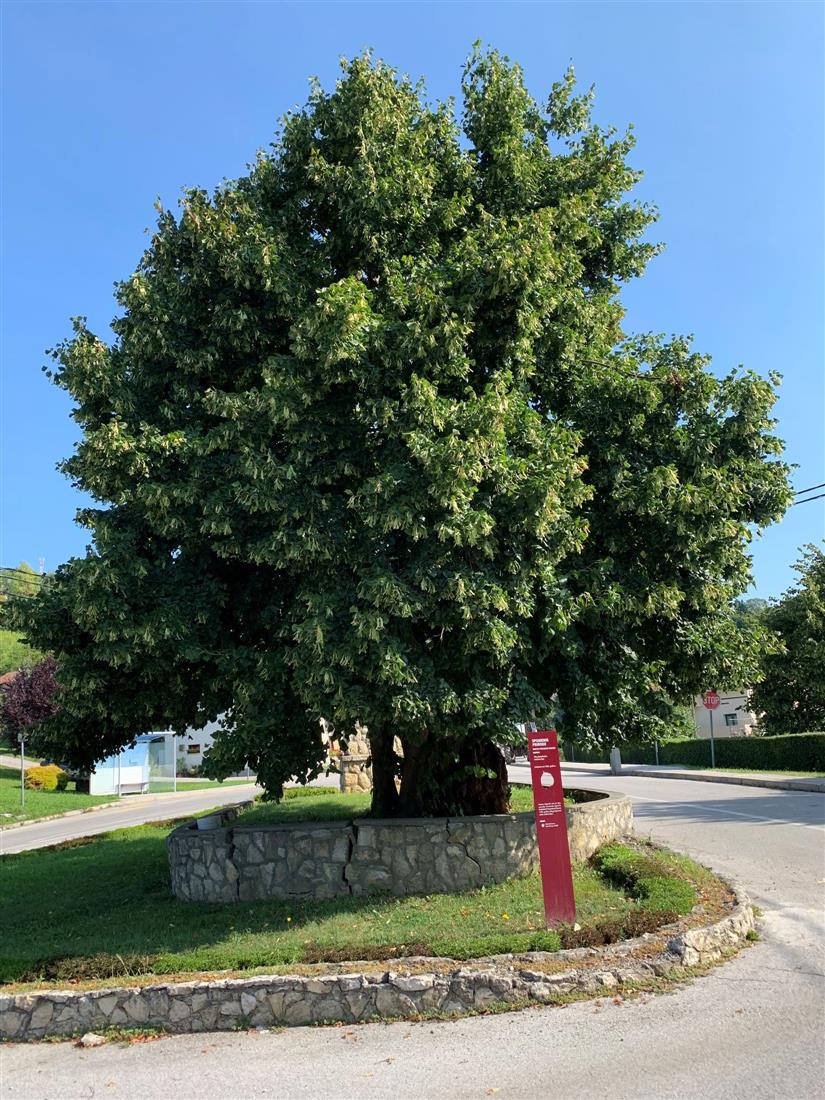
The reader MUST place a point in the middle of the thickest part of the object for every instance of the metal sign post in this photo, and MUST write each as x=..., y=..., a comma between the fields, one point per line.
x=551, y=827
x=711, y=700
x=21, y=737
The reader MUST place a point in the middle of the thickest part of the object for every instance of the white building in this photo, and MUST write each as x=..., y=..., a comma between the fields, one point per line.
x=193, y=744
x=732, y=718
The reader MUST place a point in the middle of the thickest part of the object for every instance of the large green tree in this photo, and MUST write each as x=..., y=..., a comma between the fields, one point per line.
x=791, y=696
x=370, y=443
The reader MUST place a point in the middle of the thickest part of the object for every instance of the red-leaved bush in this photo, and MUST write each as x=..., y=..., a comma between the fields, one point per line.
x=29, y=698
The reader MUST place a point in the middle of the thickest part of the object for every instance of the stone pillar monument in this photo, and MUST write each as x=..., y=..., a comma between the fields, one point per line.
x=356, y=767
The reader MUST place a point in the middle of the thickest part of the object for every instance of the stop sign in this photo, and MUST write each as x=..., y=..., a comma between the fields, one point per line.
x=711, y=700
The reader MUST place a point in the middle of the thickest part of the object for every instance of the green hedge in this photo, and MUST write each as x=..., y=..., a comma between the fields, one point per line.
x=648, y=879
x=803, y=752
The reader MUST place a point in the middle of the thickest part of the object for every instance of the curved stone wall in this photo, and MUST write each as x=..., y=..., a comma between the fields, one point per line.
x=351, y=996
x=437, y=855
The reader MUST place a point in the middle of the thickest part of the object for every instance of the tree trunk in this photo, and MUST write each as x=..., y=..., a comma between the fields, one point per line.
x=460, y=780
x=384, y=768
x=414, y=777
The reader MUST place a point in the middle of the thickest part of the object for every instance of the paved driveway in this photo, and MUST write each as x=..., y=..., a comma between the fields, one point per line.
x=753, y=1029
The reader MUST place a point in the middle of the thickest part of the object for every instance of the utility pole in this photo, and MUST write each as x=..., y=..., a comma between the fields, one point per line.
x=711, y=701
x=21, y=737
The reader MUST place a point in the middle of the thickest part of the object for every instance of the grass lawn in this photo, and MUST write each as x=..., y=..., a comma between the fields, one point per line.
x=326, y=804
x=102, y=906
x=44, y=803
x=166, y=786
x=39, y=803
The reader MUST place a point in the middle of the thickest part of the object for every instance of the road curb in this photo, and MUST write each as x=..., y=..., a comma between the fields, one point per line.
x=417, y=987
x=57, y=817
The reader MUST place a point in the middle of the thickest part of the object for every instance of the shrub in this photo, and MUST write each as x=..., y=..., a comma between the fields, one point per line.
x=657, y=886
x=308, y=792
x=474, y=947
x=80, y=968
x=604, y=930
x=46, y=777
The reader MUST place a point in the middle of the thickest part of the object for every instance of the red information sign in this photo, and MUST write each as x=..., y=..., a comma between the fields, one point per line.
x=551, y=827
x=711, y=700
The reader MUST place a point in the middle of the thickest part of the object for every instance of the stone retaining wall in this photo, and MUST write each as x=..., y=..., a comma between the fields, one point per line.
x=417, y=986
x=366, y=856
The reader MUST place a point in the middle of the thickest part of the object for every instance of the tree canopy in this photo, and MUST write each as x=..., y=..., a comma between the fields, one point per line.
x=370, y=442
x=791, y=695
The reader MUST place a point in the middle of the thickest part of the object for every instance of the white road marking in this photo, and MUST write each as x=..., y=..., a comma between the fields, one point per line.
x=728, y=813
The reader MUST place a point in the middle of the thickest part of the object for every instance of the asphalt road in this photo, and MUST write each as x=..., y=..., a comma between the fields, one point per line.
x=753, y=1029
x=131, y=810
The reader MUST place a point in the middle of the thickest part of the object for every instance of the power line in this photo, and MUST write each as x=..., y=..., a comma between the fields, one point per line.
x=810, y=489
x=805, y=501
x=20, y=583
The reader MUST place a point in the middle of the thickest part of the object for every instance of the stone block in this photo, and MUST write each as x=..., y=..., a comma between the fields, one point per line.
x=41, y=1016
x=298, y=1010
x=414, y=983
x=179, y=1010
x=360, y=1002
x=391, y=1002
x=331, y=1008
x=107, y=1004
x=136, y=1009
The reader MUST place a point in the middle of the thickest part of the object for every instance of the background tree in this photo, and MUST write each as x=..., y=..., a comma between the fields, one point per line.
x=370, y=443
x=750, y=612
x=791, y=696
x=26, y=700
x=21, y=581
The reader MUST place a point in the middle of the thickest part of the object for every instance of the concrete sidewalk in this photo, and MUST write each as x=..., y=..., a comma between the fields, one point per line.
x=776, y=780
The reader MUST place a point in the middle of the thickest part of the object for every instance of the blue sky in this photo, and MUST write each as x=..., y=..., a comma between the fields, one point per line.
x=108, y=105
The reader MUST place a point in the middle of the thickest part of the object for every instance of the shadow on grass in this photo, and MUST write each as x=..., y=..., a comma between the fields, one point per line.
x=108, y=898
